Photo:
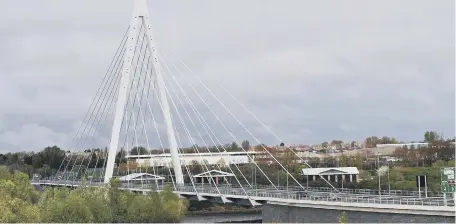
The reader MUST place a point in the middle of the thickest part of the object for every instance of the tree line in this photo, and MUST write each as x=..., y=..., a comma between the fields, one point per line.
x=141, y=150
x=46, y=161
x=49, y=160
x=20, y=202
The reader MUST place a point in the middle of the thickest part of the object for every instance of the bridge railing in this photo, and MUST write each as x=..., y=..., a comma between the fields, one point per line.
x=299, y=189
x=261, y=187
x=369, y=200
x=266, y=193
x=284, y=188
x=323, y=196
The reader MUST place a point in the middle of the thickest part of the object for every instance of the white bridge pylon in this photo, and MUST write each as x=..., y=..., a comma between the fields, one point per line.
x=128, y=83
x=141, y=19
x=127, y=70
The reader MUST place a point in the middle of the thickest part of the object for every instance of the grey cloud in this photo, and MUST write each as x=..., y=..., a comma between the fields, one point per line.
x=310, y=70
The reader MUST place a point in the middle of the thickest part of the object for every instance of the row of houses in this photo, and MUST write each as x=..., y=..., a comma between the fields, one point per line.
x=219, y=158
x=316, y=149
x=415, y=145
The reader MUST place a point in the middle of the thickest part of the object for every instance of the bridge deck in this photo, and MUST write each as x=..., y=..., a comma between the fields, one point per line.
x=261, y=194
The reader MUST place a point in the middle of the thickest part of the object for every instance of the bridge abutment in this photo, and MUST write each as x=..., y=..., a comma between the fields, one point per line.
x=273, y=212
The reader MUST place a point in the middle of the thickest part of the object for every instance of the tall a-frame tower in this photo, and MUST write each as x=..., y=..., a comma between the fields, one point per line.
x=141, y=17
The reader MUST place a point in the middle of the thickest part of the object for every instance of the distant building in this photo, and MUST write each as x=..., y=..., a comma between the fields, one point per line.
x=188, y=158
x=416, y=145
x=390, y=159
x=77, y=153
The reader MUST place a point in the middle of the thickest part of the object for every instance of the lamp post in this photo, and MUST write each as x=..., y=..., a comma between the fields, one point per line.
x=389, y=184
x=378, y=174
x=307, y=182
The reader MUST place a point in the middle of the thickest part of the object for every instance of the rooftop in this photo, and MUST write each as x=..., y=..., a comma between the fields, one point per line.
x=214, y=173
x=193, y=154
x=330, y=171
x=140, y=176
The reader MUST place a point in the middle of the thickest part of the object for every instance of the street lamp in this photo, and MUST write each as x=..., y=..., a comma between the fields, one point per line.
x=389, y=184
x=378, y=174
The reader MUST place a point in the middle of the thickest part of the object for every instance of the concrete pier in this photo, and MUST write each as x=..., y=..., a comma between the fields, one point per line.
x=330, y=213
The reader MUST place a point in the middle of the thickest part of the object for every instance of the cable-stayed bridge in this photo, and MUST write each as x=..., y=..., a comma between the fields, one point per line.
x=153, y=104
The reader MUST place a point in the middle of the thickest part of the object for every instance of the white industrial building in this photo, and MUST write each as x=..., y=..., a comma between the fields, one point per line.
x=188, y=158
x=415, y=145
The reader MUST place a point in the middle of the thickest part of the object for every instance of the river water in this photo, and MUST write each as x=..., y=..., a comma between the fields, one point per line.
x=223, y=218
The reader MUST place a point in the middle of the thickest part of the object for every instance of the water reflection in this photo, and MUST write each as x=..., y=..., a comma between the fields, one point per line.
x=223, y=218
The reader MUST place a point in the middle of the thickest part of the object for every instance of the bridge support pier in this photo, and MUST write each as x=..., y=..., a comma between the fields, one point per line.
x=274, y=212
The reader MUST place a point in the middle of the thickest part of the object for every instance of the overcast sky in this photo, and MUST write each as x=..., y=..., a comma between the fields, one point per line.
x=310, y=70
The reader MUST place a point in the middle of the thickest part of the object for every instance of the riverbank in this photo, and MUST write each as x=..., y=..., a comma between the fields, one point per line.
x=224, y=217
